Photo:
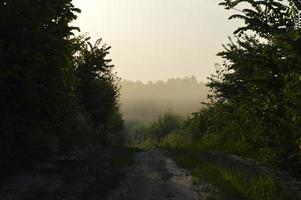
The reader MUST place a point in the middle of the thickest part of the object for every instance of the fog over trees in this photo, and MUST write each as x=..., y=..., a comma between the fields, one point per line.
x=145, y=101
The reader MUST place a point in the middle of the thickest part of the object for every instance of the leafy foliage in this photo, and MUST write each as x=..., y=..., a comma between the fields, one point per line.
x=36, y=74
x=259, y=82
x=98, y=89
x=56, y=91
x=158, y=129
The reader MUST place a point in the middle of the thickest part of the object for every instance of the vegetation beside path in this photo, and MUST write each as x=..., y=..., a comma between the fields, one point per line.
x=254, y=110
x=235, y=180
x=209, y=161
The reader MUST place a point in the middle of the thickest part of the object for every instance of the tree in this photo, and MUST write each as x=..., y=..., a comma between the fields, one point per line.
x=261, y=77
x=36, y=74
x=98, y=89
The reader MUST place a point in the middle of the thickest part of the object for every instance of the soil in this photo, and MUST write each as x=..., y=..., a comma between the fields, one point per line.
x=154, y=176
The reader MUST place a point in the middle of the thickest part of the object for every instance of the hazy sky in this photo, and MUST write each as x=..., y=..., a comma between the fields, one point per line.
x=158, y=39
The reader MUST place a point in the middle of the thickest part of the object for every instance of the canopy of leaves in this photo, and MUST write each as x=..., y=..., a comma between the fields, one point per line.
x=56, y=90
x=258, y=84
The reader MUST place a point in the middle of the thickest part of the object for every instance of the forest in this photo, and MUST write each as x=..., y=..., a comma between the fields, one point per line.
x=63, y=109
x=143, y=102
x=59, y=96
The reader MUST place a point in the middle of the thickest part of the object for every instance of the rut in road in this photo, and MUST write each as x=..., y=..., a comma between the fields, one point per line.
x=154, y=176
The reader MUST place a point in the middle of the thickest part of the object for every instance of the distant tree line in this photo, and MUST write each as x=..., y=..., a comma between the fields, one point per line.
x=143, y=102
x=56, y=90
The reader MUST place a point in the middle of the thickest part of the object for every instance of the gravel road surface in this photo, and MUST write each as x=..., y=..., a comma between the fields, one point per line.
x=154, y=176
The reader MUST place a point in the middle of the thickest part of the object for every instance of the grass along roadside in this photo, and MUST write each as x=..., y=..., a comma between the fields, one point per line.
x=232, y=184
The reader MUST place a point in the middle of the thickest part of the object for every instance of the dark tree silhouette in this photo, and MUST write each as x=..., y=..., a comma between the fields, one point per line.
x=36, y=72
x=261, y=78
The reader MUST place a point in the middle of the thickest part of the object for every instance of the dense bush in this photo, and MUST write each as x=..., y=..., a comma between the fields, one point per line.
x=257, y=88
x=56, y=91
x=157, y=130
x=98, y=91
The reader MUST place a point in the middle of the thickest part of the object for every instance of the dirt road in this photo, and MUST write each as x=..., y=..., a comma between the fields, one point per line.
x=154, y=176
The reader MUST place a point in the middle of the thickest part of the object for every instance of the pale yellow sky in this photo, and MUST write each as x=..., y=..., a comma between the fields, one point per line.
x=158, y=39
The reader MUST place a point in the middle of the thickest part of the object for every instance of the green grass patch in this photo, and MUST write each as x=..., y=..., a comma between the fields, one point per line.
x=235, y=185
x=231, y=184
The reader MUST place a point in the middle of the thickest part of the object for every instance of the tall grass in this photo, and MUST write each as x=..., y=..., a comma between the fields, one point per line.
x=232, y=184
